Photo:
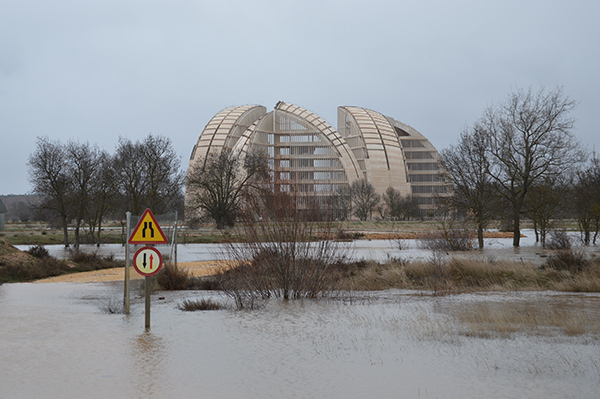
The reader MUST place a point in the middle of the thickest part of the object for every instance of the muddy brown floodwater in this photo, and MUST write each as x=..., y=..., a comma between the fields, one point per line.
x=57, y=342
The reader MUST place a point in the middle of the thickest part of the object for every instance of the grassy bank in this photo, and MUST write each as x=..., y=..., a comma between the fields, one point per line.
x=35, y=264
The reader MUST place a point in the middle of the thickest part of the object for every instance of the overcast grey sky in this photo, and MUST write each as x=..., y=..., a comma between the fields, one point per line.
x=99, y=69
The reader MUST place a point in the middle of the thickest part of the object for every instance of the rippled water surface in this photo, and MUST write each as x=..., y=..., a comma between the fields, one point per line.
x=56, y=342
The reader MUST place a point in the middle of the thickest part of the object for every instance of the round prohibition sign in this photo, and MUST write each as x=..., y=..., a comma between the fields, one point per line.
x=147, y=261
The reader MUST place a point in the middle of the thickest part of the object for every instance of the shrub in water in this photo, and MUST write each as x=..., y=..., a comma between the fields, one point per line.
x=559, y=239
x=173, y=279
x=39, y=251
x=572, y=260
x=199, y=304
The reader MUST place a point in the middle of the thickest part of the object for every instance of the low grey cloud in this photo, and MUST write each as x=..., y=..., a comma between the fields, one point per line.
x=97, y=70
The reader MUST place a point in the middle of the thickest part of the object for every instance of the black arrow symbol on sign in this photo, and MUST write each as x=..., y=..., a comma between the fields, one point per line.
x=149, y=227
x=144, y=262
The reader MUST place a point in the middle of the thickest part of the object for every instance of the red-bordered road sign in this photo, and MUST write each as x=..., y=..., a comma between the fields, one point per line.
x=147, y=261
x=147, y=231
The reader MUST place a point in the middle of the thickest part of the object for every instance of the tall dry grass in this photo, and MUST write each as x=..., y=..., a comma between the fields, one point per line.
x=487, y=320
x=458, y=274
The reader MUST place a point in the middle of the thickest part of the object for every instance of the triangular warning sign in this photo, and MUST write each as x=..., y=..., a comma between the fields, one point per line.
x=147, y=231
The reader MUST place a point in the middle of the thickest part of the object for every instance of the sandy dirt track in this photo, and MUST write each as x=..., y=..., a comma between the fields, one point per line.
x=196, y=269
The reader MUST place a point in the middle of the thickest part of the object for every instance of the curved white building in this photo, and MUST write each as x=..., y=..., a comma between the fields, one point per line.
x=306, y=154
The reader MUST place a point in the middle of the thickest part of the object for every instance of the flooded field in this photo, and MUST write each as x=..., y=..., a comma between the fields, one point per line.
x=381, y=250
x=57, y=342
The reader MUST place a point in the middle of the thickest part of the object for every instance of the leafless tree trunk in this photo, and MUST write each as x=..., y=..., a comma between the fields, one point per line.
x=365, y=199
x=284, y=253
x=467, y=167
x=83, y=168
x=544, y=203
x=48, y=174
x=528, y=138
x=585, y=200
x=217, y=185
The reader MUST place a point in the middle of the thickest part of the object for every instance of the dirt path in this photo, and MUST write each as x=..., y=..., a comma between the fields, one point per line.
x=196, y=269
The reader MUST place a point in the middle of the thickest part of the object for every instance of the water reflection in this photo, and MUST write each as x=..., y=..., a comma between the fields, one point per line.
x=149, y=364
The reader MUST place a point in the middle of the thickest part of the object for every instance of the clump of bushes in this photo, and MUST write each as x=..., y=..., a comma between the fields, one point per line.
x=112, y=306
x=42, y=265
x=21, y=270
x=559, y=239
x=278, y=256
x=171, y=278
x=571, y=260
x=38, y=251
x=446, y=240
x=275, y=273
x=92, y=261
x=199, y=304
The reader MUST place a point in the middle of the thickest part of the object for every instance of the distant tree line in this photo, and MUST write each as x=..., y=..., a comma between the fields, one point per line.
x=521, y=160
x=20, y=207
x=80, y=185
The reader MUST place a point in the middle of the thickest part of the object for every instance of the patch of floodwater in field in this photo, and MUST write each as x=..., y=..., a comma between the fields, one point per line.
x=55, y=342
x=380, y=250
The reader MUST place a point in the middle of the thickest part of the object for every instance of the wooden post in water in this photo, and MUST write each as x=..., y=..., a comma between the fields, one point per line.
x=175, y=241
x=126, y=303
x=147, y=312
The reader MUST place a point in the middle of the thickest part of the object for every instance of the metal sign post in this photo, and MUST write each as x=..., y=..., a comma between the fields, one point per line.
x=147, y=307
x=126, y=303
x=147, y=261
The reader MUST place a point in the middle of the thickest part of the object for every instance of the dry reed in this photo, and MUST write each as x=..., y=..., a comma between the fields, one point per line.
x=458, y=274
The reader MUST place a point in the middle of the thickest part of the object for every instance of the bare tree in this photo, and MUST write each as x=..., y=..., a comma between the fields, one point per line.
x=148, y=175
x=364, y=198
x=398, y=207
x=393, y=202
x=83, y=167
x=544, y=203
x=453, y=234
x=341, y=201
x=216, y=186
x=585, y=200
x=528, y=138
x=279, y=256
x=102, y=195
x=49, y=176
x=467, y=167
x=409, y=208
